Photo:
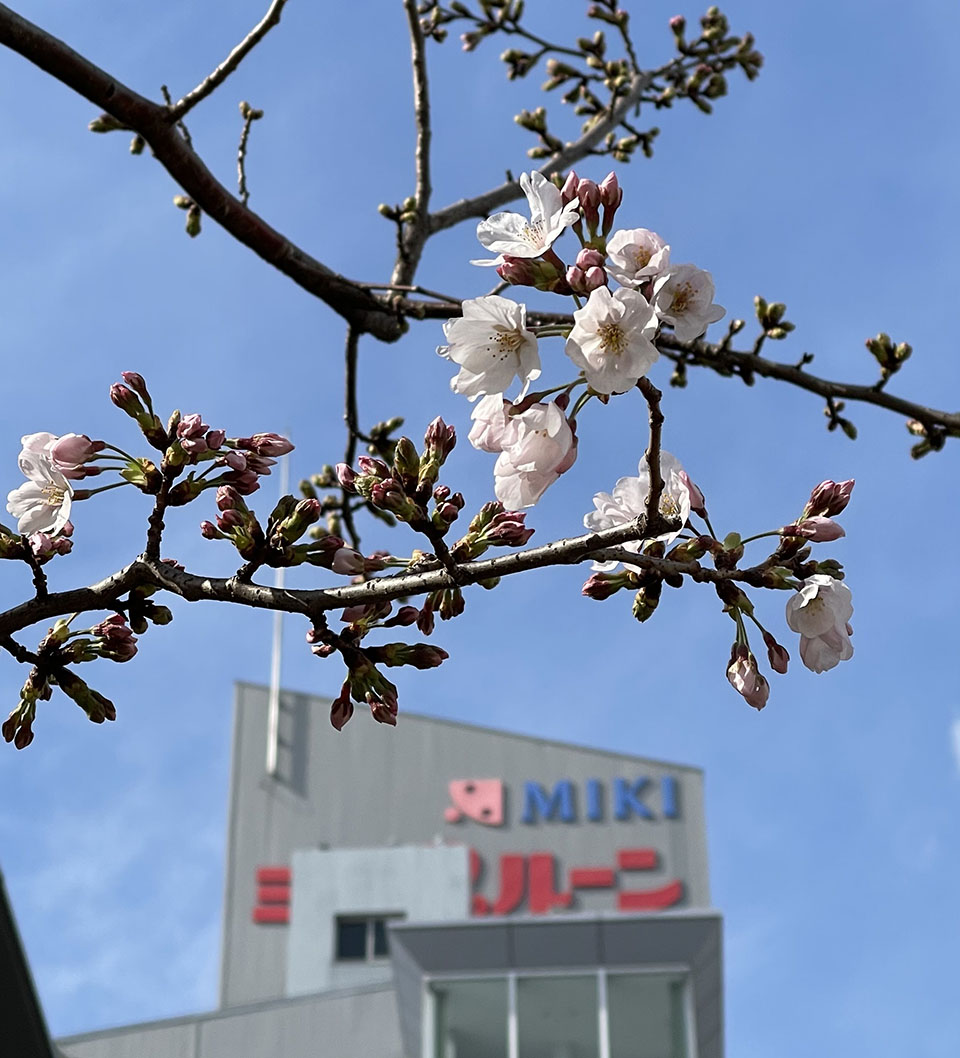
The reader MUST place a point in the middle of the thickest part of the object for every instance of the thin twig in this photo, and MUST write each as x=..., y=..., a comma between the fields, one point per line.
x=481, y=205
x=652, y=396
x=350, y=418
x=230, y=63
x=184, y=131
x=39, y=577
x=152, y=121
x=416, y=231
x=155, y=521
x=250, y=115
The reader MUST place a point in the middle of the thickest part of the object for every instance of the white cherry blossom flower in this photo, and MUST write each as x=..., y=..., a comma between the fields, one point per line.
x=611, y=340
x=821, y=613
x=492, y=345
x=635, y=255
x=515, y=235
x=538, y=446
x=42, y=504
x=629, y=500
x=683, y=297
x=493, y=429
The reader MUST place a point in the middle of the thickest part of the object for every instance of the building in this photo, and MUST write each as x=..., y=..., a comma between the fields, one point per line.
x=438, y=890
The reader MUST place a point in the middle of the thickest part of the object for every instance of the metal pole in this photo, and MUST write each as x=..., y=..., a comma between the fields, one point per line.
x=273, y=699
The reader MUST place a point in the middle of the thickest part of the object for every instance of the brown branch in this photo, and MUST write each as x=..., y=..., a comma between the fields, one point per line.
x=652, y=396
x=350, y=418
x=700, y=353
x=725, y=361
x=153, y=122
x=230, y=63
x=416, y=231
x=311, y=603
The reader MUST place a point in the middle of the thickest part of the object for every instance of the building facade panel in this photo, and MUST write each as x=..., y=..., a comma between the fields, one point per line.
x=553, y=827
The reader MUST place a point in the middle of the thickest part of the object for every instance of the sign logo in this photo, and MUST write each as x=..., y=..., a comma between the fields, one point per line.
x=595, y=801
x=478, y=799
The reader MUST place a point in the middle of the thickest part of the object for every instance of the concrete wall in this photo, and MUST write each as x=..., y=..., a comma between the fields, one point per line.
x=377, y=786
x=423, y=884
x=361, y=1022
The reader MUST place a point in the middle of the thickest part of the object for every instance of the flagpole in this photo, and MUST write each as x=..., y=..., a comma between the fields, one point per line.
x=273, y=698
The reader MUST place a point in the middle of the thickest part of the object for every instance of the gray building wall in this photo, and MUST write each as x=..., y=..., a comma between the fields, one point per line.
x=377, y=786
x=423, y=884
x=360, y=1023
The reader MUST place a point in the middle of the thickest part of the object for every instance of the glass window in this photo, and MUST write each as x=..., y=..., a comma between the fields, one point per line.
x=646, y=1014
x=351, y=938
x=471, y=1018
x=557, y=1017
x=363, y=937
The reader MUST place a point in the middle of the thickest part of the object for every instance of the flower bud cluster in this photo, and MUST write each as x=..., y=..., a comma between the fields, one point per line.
x=492, y=525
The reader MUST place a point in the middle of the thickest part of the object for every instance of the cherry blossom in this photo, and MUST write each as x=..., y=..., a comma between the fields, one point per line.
x=492, y=345
x=629, y=500
x=820, y=612
x=515, y=235
x=538, y=446
x=683, y=297
x=611, y=340
x=42, y=504
x=493, y=429
x=636, y=255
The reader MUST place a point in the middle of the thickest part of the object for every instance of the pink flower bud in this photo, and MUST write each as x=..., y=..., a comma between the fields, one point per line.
x=776, y=654
x=518, y=271
x=244, y=481
x=373, y=467
x=191, y=426
x=126, y=400
x=209, y=531
x=569, y=190
x=342, y=708
x=346, y=477
x=260, y=464
x=73, y=449
x=194, y=446
x=406, y=615
x=348, y=562
x=829, y=498
x=575, y=279
x=589, y=195
x=215, y=439
x=595, y=277
x=589, y=258
x=697, y=503
x=611, y=193
x=235, y=460
x=135, y=381
x=228, y=499
x=678, y=24
x=745, y=677
x=266, y=444
x=817, y=528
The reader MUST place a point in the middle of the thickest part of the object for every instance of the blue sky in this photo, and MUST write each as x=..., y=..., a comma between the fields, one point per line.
x=829, y=183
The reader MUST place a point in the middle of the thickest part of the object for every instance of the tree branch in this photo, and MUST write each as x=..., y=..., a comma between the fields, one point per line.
x=194, y=588
x=230, y=63
x=417, y=230
x=350, y=418
x=725, y=361
x=153, y=122
x=481, y=205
